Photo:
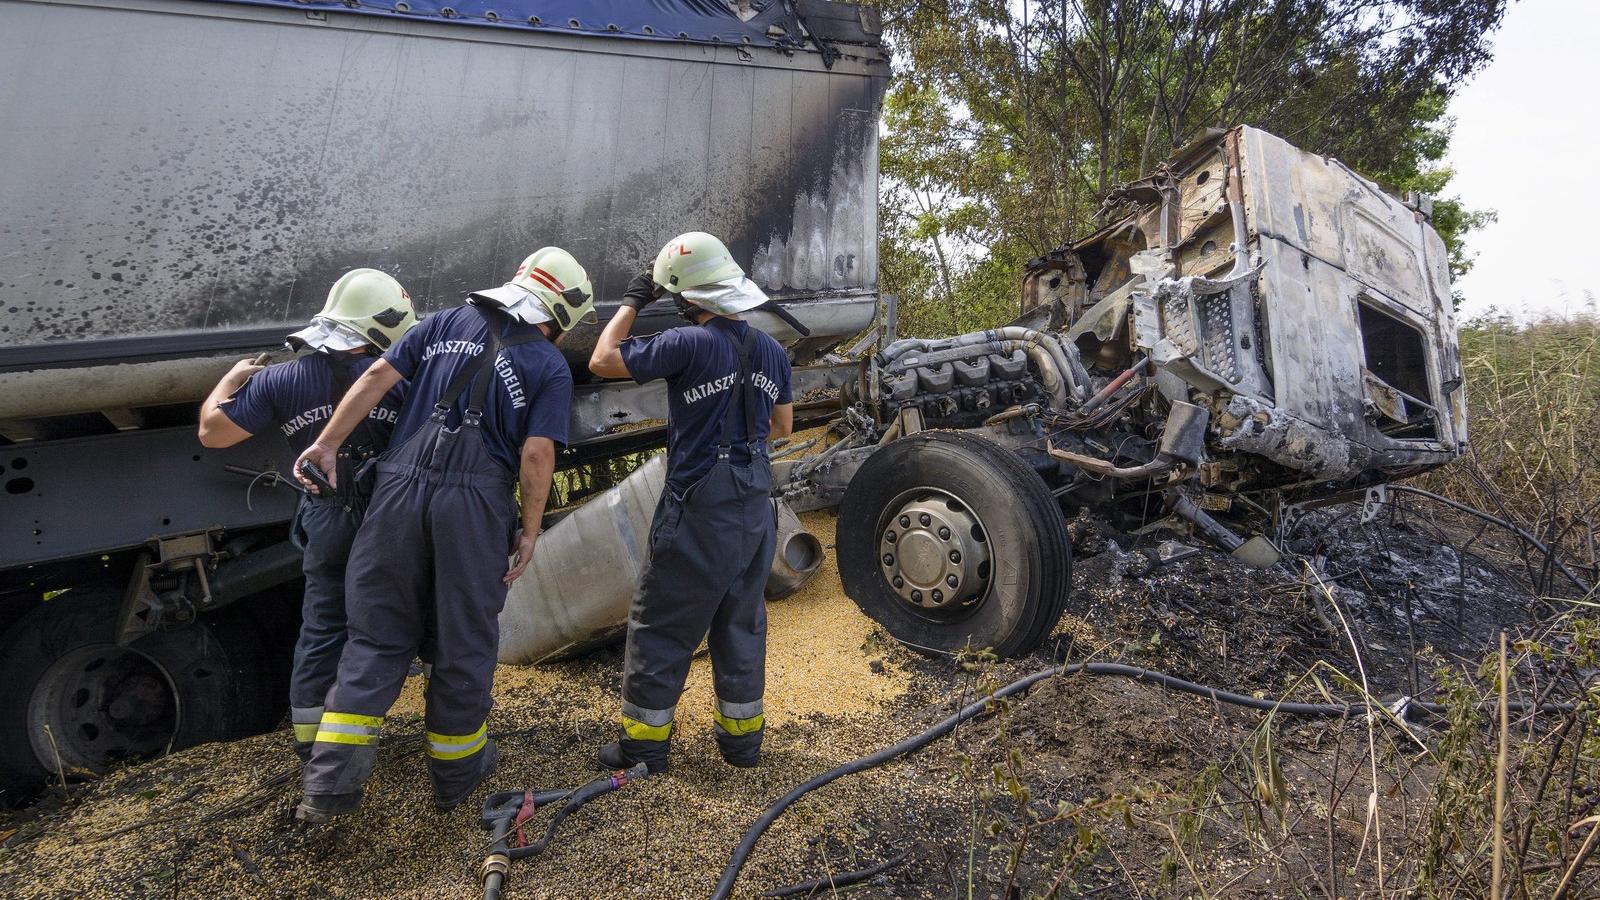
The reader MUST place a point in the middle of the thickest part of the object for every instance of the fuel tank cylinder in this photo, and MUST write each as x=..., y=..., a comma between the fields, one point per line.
x=576, y=593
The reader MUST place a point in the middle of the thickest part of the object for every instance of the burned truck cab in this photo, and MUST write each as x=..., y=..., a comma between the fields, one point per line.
x=1309, y=311
x=1258, y=326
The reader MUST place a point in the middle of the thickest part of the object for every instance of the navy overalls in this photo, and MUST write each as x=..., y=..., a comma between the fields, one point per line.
x=299, y=396
x=427, y=565
x=325, y=529
x=710, y=553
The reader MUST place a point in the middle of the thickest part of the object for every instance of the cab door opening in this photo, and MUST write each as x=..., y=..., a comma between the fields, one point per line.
x=1399, y=394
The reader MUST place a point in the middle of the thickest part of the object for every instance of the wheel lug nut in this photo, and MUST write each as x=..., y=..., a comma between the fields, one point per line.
x=951, y=580
x=905, y=521
x=890, y=537
x=944, y=533
x=898, y=582
x=955, y=556
x=925, y=519
x=916, y=596
x=938, y=595
x=888, y=559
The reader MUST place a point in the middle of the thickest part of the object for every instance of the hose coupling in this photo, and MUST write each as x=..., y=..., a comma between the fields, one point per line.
x=496, y=863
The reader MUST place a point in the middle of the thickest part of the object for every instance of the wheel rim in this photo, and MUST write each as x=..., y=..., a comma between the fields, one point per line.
x=100, y=704
x=933, y=551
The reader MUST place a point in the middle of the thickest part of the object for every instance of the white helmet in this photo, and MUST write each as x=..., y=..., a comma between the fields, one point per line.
x=698, y=267
x=365, y=307
x=550, y=286
x=693, y=259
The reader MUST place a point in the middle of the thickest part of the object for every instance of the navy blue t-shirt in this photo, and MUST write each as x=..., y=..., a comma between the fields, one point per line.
x=699, y=364
x=297, y=396
x=533, y=397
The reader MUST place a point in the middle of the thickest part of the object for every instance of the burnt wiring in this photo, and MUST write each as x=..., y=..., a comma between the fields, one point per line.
x=1402, y=710
x=1104, y=415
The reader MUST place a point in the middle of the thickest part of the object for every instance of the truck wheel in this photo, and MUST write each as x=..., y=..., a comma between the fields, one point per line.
x=73, y=695
x=951, y=541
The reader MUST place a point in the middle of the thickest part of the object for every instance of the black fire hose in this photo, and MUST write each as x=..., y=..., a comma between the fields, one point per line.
x=500, y=813
x=747, y=844
x=845, y=879
x=506, y=810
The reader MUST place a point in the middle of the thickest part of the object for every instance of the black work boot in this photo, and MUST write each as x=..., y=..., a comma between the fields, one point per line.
x=625, y=754
x=490, y=759
x=743, y=751
x=315, y=809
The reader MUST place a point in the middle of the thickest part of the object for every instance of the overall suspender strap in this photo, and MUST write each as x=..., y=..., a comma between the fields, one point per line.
x=492, y=344
x=741, y=404
x=747, y=393
x=341, y=378
x=483, y=373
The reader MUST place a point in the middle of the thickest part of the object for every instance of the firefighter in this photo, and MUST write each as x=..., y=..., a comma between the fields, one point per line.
x=711, y=541
x=366, y=312
x=489, y=402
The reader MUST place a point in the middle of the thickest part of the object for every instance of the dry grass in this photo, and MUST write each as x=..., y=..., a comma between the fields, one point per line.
x=1479, y=803
x=1533, y=398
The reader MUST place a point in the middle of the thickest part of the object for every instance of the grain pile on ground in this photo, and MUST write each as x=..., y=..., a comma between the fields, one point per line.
x=202, y=822
x=1083, y=786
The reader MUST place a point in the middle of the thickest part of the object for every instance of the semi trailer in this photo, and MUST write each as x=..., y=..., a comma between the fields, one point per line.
x=182, y=187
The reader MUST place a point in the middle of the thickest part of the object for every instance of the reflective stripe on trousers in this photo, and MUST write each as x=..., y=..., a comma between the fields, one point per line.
x=348, y=728
x=305, y=720
x=739, y=719
x=457, y=746
x=642, y=724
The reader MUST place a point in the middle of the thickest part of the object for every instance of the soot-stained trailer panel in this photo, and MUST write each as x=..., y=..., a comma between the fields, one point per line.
x=202, y=166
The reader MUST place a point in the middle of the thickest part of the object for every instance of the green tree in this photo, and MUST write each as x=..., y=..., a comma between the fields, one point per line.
x=1010, y=120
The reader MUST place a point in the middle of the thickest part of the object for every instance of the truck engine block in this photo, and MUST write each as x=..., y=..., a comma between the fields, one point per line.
x=961, y=393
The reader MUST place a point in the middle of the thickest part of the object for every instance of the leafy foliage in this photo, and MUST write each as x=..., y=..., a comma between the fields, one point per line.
x=1010, y=120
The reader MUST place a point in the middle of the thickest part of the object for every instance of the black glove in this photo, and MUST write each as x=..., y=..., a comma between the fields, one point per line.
x=641, y=291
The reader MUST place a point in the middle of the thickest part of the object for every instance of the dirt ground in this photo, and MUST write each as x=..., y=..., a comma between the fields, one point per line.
x=1083, y=787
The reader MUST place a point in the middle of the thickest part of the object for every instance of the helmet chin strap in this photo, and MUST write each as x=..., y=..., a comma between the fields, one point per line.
x=772, y=306
x=688, y=311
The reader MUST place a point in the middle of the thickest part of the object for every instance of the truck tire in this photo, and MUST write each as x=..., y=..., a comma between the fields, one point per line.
x=951, y=541
x=215, y=679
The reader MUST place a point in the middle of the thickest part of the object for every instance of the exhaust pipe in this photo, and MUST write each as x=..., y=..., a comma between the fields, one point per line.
x=1256, y=552
x=797, y=558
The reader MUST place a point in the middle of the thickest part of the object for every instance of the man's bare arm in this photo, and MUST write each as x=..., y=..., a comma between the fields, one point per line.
x=782, y=423
x=538, y=465
x=357, y=403
x=606, y=360
x=216, y=429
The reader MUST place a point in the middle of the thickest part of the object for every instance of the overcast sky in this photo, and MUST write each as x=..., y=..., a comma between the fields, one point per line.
x=1526, y=144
